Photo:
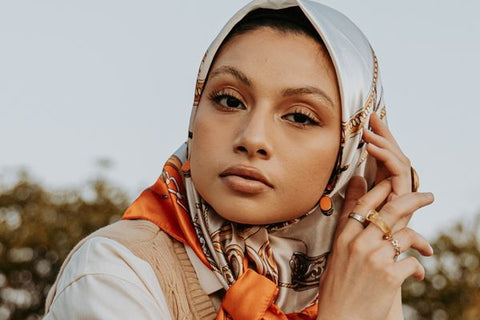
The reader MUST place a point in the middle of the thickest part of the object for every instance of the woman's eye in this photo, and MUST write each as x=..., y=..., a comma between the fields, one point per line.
x=228, y=101
x=301, y=118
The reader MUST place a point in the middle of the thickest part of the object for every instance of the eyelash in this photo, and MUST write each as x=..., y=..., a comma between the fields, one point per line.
x=217, y=96
x=312, y=120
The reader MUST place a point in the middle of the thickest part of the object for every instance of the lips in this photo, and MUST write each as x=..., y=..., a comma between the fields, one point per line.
x=246, y=179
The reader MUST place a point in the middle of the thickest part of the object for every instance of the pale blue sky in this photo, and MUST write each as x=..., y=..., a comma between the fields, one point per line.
x=82, y=80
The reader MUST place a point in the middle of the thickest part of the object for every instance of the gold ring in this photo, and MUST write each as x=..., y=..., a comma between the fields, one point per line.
x=374, y=217
x=358, y=217
x=396, y=247
x=415, y=179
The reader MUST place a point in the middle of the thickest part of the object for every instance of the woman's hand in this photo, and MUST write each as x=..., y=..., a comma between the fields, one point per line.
x=362, y=279
x=391, y=162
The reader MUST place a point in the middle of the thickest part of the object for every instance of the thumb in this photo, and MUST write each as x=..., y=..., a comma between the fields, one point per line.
x=357, y=187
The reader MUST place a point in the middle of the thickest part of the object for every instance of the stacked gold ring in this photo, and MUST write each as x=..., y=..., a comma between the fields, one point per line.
x=374, y=217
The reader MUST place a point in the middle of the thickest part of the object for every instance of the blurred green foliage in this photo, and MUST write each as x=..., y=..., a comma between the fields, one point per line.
x=451, y=289
x=38, y=228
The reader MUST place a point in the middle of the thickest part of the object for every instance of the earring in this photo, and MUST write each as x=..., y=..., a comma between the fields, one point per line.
x=326, y=205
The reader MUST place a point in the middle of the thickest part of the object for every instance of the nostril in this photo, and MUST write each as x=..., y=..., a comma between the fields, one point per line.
x=259, y=152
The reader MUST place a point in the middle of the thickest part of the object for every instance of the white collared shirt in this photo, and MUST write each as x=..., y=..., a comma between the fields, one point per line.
x=105, y=280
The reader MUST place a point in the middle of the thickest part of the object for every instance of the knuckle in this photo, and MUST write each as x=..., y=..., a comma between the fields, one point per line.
x=391, y=276
x=411, y=260
x=342, y=241
x=372, y=260
x=360, y=203
x=416, y=265
x=391, y=208
x=375, y=261
x=410, y=234
x=355, y=247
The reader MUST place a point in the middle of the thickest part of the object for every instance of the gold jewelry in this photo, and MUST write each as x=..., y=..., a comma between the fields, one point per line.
x=396, y=247
x=358, y=217
x=415, y=179
x=374, y=217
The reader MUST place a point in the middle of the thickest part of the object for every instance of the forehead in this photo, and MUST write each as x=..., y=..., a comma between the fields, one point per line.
x=284, y=59
x=258, y=40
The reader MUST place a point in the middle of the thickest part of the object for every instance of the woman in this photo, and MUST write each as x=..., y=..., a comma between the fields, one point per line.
x=264, y=213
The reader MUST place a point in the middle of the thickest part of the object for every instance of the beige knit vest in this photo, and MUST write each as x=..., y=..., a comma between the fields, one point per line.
x=169, y=260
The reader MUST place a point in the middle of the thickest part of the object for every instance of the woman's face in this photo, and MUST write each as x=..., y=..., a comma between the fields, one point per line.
x=267, y=130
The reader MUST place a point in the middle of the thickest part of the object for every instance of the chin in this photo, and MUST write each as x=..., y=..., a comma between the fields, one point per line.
x=253, y=216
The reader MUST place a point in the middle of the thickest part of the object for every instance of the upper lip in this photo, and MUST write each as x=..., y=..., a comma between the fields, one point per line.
x=246, y=172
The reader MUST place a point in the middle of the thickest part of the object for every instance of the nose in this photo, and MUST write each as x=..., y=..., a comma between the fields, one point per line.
x=253, y=137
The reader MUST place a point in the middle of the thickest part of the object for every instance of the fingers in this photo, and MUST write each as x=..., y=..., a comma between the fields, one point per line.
x=392, y=214
x=390, y=159
x=406, y=239
x=403, y=206
x=381, y=128
x=372, y=199
x=409, y=267
x=409, y=238
x=395, y=164
x=396, y=211
x=380, y=134
x=357, y=187
x=397, y=168
x=384, y=257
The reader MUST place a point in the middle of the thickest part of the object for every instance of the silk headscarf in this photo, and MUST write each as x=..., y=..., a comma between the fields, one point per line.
x=289, y=257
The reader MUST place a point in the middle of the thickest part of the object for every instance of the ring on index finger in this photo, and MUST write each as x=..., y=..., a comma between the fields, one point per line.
x=358, y=217
x=374, y=217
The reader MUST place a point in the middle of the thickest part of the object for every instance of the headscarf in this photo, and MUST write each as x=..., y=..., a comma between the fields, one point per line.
x=273, y=270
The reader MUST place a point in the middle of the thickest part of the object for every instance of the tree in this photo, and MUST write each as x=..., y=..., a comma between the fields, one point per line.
x=37, y=230
x=451, y=289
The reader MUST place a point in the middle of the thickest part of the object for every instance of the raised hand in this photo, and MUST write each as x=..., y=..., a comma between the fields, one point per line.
x=362, y=278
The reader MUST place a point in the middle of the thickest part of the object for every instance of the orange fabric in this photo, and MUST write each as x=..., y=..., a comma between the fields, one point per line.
x=261, y=294
x=164, y=204
x=252, y=296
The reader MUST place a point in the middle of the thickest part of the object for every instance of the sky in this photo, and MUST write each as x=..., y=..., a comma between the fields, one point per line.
x=82, y=82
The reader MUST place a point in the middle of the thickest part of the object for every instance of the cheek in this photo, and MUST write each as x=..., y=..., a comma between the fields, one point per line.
x=314, y=166
x=204, y=130
x=207, y=147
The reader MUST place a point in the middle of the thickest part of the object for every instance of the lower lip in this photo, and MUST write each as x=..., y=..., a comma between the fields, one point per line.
x=243, y=185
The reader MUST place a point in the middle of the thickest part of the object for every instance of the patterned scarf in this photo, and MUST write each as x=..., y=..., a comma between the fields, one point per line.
x=272, y=271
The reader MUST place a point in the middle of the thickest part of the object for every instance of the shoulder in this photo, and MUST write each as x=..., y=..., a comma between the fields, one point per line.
x=104, y=279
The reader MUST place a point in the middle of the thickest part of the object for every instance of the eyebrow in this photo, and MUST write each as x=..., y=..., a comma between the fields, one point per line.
x=232, y=71
x=309, y=90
